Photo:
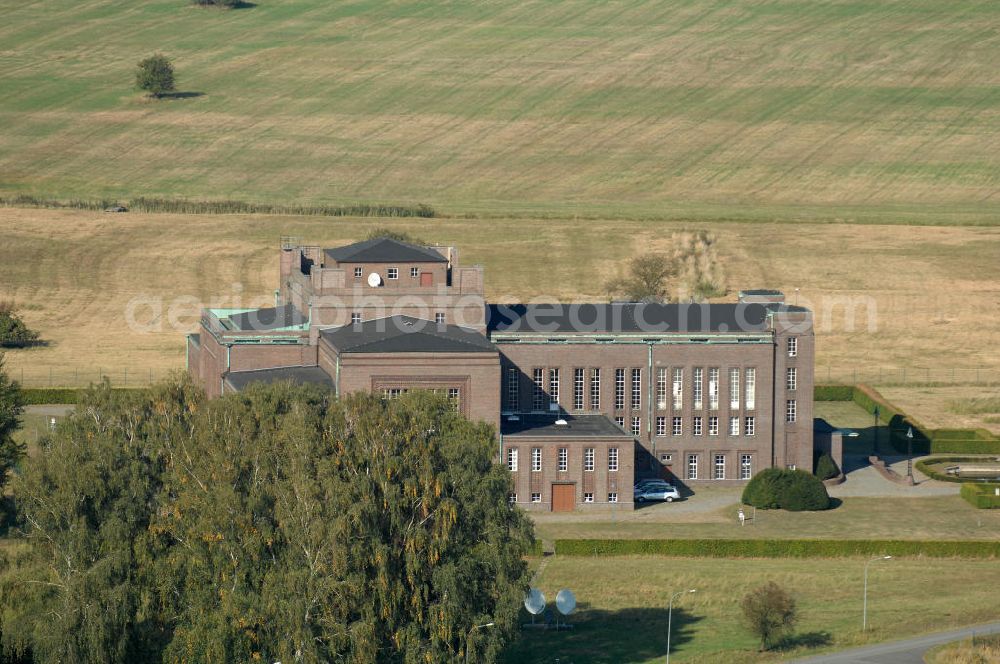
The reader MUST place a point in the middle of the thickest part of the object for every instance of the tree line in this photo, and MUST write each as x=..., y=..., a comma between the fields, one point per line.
x=277, y=524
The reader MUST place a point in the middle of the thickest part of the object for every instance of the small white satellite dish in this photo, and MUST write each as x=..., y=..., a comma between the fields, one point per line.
x=561, y=422
x=374, y=280
x=566, y=601
x=534, y=602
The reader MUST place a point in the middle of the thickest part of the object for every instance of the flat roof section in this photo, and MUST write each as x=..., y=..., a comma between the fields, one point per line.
x=238, y=380
x=577, y=426
x=266, y=319
x=405, y=334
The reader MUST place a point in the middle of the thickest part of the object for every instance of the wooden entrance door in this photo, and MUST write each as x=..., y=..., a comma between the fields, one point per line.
x=563, y=497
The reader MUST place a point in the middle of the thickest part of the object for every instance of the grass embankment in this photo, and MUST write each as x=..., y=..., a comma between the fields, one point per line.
x=981, y=650
x=623, y=606
x=700, y=110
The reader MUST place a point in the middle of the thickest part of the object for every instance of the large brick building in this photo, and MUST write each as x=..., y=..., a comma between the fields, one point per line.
x=585, y=397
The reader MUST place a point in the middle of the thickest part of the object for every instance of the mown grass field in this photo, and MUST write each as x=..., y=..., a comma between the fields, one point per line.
x=923, y=298
x=704, y=109
x=623, y=606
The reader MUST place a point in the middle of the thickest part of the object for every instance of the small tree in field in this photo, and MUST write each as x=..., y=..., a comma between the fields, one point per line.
x=647, y=279
x=769, y=612
x=155, y=75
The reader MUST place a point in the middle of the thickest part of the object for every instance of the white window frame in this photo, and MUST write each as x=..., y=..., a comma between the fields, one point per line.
x=511, y=498
x=636, y=425
x=734, y=425
x=793, y=346
x=612, y=496
x=750, y=388
x=713, y=425
x=578, y=388
x=734, y=388
x=620, y=421
x=392, y=273
x=359, y=272
x=696, y=380
x=595, y=389
x=677, y=426
x=692, y=467
x=414, y=272
x=588, y=497
x=791, y=411
x=791, y=378
x=678, y=388
x=513, y=393
x=619, y=389
x=636, y=396
x=696, y=425
x=713, y=388
x=612, y=459
x=536, y=459
x=538, y=396
x=563, y=463
x=749, y=426
x=719, y=469
x=355, y=317
x=661, y=388
x=439, y=317
x=512, y=459
x=536, y=497
x=661, y=425
x=588, y=460
x=746, y=466
x=554, y=386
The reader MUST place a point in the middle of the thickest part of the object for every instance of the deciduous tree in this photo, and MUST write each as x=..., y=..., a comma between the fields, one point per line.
x=769, y=612
x=155, y=75
x=13, y=331
x=646, y=280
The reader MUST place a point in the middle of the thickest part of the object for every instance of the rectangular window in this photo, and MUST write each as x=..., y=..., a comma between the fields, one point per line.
x=588, y=497
x=512, y=391
x=734, y=425
x=536, y=459
x=511, y=498
x=455, y=397
x=613, y=497
x=439, y=318
x=719, y=471
x=692, y=467
x=392, y=273
x=620, y=421
x=696, y=382
x=713, y=426
x=538, y=398
x=750, y=389
x=355, y=318
x=578, y=389
x=612, y=459
x=790, y=410
x=414, y=272
x=563, y=459
x=595, y=389
x=713, y=389
x=678, y=389
x=746, y=466
x=661, y=388
x=619, y=389
x=667, y=459
x=512, y=459
x=748, y=429
x=791, y=378
x=793, y=346
x=553, y=386
x=393, y=392
x=358, y=272
x=536, y=497
x=696, y=426
x=636, y=388
x=677, y=428
x=661, y=426
x=636, y=425
x=734, y=388
x=588, y=459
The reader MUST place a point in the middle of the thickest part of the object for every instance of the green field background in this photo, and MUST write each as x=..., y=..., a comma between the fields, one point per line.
x=687, y=108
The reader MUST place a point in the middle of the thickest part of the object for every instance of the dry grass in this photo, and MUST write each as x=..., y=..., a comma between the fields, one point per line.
x=965, y=652
x=932, y=291
x=949, y=406
x=708, y=109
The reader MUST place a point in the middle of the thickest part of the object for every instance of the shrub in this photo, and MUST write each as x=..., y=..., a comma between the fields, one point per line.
x=13, y=332
x=981, y=496
x=155, y=75
x=769, y=612
x=826, y=467
x=833, y=393
x=792, y=490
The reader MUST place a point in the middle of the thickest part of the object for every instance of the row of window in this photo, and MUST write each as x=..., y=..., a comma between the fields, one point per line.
x=390, y=273
x=439, y=317
x=562, y=459
x=588, y=497
x=454, y=394
x=719, y=466
x=632, y=378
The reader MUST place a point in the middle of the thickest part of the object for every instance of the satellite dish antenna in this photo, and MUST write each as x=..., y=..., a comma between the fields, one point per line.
x=566, y=601
x=534, y=602
x=374, y=280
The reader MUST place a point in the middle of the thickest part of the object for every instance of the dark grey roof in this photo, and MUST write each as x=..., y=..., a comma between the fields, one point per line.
x=269, y=318
x=404, y=334
x=298, y=375
x=577, y=426
x=632, y=318
x=384, y=250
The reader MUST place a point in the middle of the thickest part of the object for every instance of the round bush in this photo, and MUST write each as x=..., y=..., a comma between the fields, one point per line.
x=792, y=490
x=826, y=467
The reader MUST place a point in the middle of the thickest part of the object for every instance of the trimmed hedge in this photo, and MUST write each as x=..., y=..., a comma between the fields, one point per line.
x=833, y=393
x=982, y=496
x=792, y=490
x=826, y=467
x=61, y=395
x=761, y=548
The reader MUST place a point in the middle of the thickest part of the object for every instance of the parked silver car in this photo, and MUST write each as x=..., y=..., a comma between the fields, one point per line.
x=655, y=491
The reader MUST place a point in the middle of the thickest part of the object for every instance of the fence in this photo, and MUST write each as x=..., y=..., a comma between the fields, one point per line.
x=82, y=377
x=898, y=376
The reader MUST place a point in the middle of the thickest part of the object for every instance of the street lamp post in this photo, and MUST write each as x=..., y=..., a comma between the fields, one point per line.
x=876, y=413
x=670, y=617
x=864, y=611
x=909, y=454
x=469, y=638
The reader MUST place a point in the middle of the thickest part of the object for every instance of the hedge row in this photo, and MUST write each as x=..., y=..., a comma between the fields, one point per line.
x=754, y=548
x=982, y=496
x=60, y=395
x=833, y=392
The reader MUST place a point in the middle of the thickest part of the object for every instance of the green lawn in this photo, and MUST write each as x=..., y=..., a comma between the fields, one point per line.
x=700, y=109
x=623, y=606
